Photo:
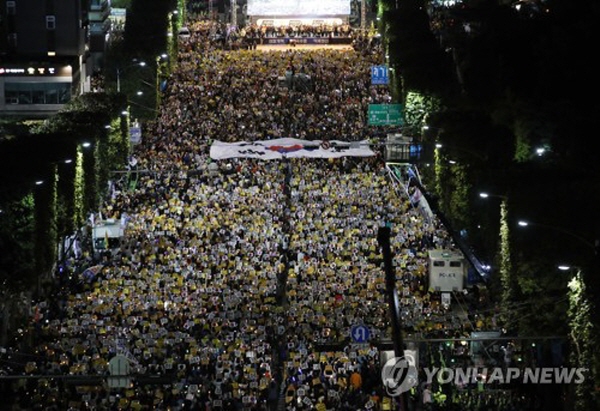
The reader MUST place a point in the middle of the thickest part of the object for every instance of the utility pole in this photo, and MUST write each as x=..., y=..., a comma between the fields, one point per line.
x=233, y=13
x=363, y=14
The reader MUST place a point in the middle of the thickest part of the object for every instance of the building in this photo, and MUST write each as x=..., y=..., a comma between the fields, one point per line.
x=45, y=53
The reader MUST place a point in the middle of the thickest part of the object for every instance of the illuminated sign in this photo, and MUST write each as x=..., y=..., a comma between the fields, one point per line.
x=35, y=71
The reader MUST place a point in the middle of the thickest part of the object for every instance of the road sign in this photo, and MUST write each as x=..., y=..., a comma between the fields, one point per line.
x=385, y=115
x=135, y=135
x=360, y=334
x=119, y=370
x=379, y=75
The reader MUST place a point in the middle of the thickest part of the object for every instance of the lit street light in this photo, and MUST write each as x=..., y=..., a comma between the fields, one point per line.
x=470, y=152
x=137, y=64
x=484, y=194
x=523, y=223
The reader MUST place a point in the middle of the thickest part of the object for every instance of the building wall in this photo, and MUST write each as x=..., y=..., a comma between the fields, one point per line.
x=46, y=34
x=36, y=34
x=34, y=90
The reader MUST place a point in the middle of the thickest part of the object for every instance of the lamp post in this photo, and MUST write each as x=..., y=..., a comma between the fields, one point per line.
x=468, y=151
x=484, y=194
x=119, y=70
x=582, y=240
x=233, y=13
x=161, y=71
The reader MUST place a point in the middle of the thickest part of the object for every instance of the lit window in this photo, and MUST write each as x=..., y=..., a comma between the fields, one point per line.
x=11, y=8
x=50, y=22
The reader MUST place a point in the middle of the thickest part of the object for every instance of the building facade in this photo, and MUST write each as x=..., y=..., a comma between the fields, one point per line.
x=45, y=56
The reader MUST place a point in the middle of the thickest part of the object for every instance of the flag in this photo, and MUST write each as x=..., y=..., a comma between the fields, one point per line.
x=415, y=197
x=90, y=273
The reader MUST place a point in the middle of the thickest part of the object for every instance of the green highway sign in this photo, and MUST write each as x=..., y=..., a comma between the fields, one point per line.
x=385, y=115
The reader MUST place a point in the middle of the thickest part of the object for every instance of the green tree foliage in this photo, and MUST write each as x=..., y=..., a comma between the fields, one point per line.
x=43, y=213
x=45, y=235
x=459, y=196
x=584, y=337
x=17, y=268
x=149, y=40
x=416, y=108
x=542, y=309
x=414, y=51
x=508, y=278
x=79, y=191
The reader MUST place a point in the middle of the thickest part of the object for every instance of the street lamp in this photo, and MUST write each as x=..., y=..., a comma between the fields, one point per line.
x=524, y=223
x=137, y=64
x=162, y=69
x=484, y=194
x=468, y=151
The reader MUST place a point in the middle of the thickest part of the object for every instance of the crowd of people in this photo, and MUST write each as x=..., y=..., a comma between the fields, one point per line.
x=297, y=30
x=239, y=288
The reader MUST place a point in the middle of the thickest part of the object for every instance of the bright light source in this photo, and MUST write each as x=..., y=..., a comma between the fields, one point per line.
x=68, y=161
x=124, y=112
x=564, y=267
x=142, y=63
x=523, y=223
x=139, y=93
x=438, y=145
x=86, y=144
x=540, y=151
x=107, y=126
x=39, y=182
x=484, y=195
x=452, y=162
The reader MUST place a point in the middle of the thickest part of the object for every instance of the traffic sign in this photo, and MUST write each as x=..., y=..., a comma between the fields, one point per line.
x=360, y=334
x=119, y=370
x=135, y=135
x=385, y=115
x=379, y=75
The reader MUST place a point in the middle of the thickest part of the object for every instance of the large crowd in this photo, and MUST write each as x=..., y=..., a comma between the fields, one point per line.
x=240, y=287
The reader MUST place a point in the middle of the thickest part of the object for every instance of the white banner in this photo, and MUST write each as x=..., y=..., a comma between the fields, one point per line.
x=290, y=148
